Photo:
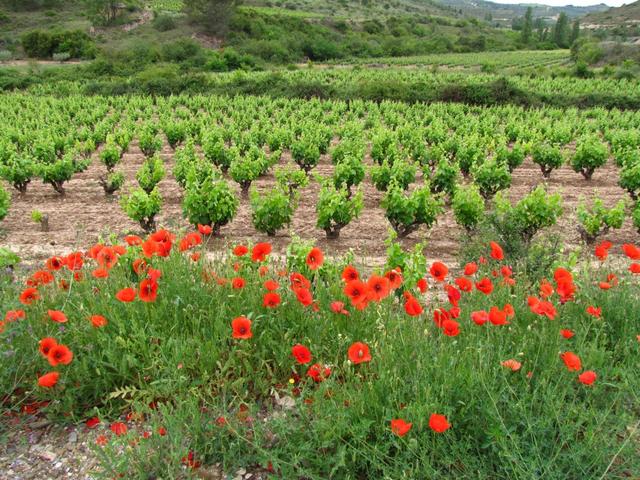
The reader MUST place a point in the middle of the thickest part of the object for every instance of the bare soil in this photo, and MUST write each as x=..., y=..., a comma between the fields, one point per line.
x=85, y=215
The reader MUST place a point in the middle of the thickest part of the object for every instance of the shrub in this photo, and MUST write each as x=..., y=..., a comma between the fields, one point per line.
x=245, y=170
x=512, y=158
x=532, y=213
x=5, y=202
x=445, y=178
x=468, y=207
x=548, y=157
x=597, y=220
x=143, y=207
x=407, y=212
x=290, y=179
x=176, y=133
x=164, y=22
x=185, y=157
x=111, y=153
x=491, y=177
x=271, y=211
x=150, y=173
x=112, y=182
x=630, y=179
x=150, y=142
x=57, y=173
x=401, y=172
x=348, y=172
x=469, y=153
x=335, y=210
x=18, y=171
x=590, y=154
x=216, y=151
x=43, y=44
x=635, y=216
x=209, y=200
x=306, y=153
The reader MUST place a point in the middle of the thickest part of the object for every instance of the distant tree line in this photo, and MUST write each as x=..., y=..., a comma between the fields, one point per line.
x=537, y=32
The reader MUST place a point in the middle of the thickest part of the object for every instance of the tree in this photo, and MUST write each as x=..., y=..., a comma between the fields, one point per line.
x=561, y=31
x=527, y=26
x=102, y=12
x=213, y=15
x=575, y=31
x=540, y=28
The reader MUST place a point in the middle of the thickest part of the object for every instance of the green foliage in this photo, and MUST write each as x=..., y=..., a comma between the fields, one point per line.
x=150, y=142
x=163, y=22
x=5, y=203
x=111, y=153
x=8, y=259
x=590, y=154
x=57, y=173
x=248, y=168
x=184, y=157
x=630, y=179
x=445, y=178
x=532, y=213
x=597, y=220
x=512, y=158
x=491, y=177
x=142, y=207
x=401, y=172
x=548, y=157
x=468, y=207
x=271, y=211
x=150, y=173
x=208, y=200
x=18, y=171
x=44, y=44
x=349, y=172
x=290, y=179
x=335, y=210
x=176, y=133
x=635, y=216
x=112, y=182
x=407, y=212
x=216, y=151
x=306, y=152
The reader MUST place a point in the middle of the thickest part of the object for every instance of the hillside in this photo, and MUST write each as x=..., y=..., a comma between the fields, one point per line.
x=626, y=15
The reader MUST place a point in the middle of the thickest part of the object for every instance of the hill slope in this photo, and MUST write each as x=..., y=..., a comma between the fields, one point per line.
x=627, y=15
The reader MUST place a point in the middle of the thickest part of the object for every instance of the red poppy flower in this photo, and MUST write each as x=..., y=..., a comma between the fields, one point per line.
x=241, y=327
x=240, y=250
x=438, y=423
x=315, y=258
x=497, y=316
x=54, y=263
x=74, y=261
x=101, y=440
x=260, y=252
x=48, y=380
x=470, y=269
x=634, y=268
x=562, y=275
x=107, y=258
x=350, y=274
x=100, y=273
x=150, y=248
x=118, y=428
x=338, y=307
x=395, y=278
x=57, y=316
x=439, y=316
x=453, y=294
x=298, y=280
x=400, y=427
x=438, y=271
x=604, y=285
x=485, y=286
x=126, y=295
x=572, y=361
x=594, y=312
x=41, y=277
x=205, y=229
x=587, y=377
x=464, y=284
x=46, y=344
x=304, y=296
x=496, y=251
x=301, y=353
x=511, y=364
x=98, y=321
x=602, y=250
x=450, y=328
x=412, y=306
x=541, y=307
x=546, y=289
x=271, y=300
x=238, y=283
x=631, y=251
x=422, y=285
x=359, y=353
x=566, y=333
x=356, y=291
x=148, y=290
x=92, y=422
x=13, y=315
x=59, y=354
x=271, y=285
x=378, y=288
x=133, y=240
x=318, y=372
x=29, y=295
x=480, y=317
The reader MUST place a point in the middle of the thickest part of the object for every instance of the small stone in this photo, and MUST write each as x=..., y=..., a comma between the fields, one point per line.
x=47, y=455
x=73, y=437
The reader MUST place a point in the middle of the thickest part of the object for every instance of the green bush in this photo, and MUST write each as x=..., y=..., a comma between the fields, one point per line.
x=401, y=172
x=150, y=142
x=150, y=173
x=290, y=179
x=445, y=177
x=271, y=211
x=635, y=216
x=306, y=152
x=163, y=22
x=407, y=212
x=512, y=158
x=18, y=170
x=491, y=177
x=590, y=154
x=111, y=153
x=349, y=172
x=143, y=207
x=209, y=200
x=44, y=44
x=548, y=157
x=597, y=220
x=112, y=182
x=335, y=210
x=57, y=173
x=630, y=179
x=468, y=207
x=5, y=202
